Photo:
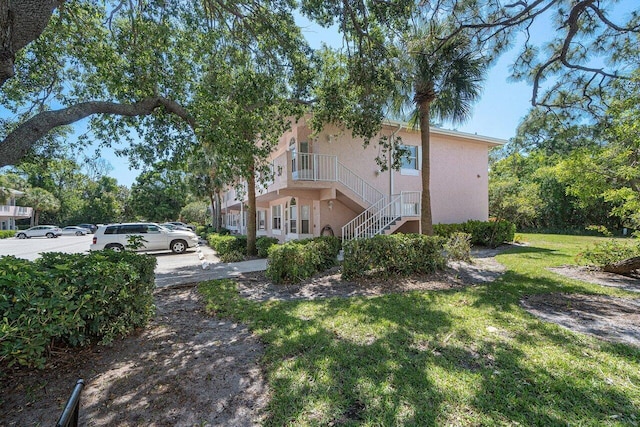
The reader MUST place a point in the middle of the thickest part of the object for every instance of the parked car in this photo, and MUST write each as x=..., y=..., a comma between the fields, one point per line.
x=156, y=237
x=173, y=227
x=49, y=231
x=91, y=227
x=74, y=230
x=182, y=224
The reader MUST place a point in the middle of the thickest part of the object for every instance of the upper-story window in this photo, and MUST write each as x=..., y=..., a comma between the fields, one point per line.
x=410, y=164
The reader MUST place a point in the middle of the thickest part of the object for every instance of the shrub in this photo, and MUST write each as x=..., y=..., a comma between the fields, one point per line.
x=458, y=247
x=609, y=252
x=224, y=244
x=328, y=247
x=5, y=234
x=486, y=233
x=263, y=244
x=299, y=259
x=396, y=254
x=73, y=299
x=232, y=256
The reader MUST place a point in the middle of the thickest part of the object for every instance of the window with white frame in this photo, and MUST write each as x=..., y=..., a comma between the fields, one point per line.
x=261, y=220
x=293, y=216
x=410, y=162
x=304, y=219
x=276, y=217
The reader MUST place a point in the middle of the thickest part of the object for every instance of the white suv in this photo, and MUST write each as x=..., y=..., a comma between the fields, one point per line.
x=156, y=237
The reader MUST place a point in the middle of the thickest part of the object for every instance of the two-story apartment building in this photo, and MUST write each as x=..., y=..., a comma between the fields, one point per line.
x=9, y=212
x=329, y=184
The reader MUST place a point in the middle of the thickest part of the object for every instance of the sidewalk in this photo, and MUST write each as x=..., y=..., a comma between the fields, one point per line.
x=205, y=265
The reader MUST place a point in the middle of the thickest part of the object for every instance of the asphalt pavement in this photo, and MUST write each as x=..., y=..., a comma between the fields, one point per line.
x=195, y=265
x=200, y=265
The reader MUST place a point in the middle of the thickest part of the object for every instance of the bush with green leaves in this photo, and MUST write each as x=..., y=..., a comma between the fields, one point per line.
x=609, y=252
x=299, y=259
x=224, y=244
x=263, y=243
x=232, y=256
x=396, y=254
x=5, y=234
x=71, y=299
x=485, y=233
x=458, y=246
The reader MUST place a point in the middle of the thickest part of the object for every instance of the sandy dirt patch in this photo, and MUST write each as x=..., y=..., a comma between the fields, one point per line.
x=609, y=318
x=185, y=369
x=586, y=274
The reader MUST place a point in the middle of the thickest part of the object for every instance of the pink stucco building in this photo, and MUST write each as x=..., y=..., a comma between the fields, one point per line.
x=329, y=184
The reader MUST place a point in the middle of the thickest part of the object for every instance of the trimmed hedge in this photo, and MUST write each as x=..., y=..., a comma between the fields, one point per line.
x=395, y=254
x=299, y=259
x=225, y=244
x=5, y=234
x=485, y=233
x=263, y=243
x=72, y=299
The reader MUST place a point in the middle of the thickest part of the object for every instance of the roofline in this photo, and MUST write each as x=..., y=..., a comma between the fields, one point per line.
x=436, y=130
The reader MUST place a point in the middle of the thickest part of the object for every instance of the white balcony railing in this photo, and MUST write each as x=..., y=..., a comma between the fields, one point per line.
x=15, y=211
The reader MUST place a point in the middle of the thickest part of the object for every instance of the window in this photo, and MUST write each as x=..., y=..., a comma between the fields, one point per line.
x=261, y=219
x=410, y=159
x=293, y=216
x=410, y=164
x=304, y=219
x=276, y=217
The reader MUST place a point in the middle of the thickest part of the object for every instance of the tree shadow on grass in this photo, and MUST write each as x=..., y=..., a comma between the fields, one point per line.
x=349, y=364
x=373, y=360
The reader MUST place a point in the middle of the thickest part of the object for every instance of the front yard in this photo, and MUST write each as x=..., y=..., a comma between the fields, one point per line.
x=423, y=351
x=464, y=356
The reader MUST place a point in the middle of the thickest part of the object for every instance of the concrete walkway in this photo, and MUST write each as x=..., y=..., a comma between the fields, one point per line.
x=204, y=265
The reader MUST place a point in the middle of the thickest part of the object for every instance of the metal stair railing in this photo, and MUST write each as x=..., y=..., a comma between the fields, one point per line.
x=379, y=216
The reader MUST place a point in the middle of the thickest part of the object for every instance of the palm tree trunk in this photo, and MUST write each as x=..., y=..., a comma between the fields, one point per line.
x=426, y=220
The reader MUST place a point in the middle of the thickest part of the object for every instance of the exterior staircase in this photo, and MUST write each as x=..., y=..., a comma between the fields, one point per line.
x=383, y=215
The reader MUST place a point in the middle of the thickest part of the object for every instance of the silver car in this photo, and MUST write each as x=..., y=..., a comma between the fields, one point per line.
x=73, y=230
x=49, y=231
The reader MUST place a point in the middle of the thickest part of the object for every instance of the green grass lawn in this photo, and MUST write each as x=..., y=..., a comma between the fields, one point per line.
x=461, y=357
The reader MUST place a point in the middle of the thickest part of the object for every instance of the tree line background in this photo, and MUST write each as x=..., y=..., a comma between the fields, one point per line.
x=198, y=93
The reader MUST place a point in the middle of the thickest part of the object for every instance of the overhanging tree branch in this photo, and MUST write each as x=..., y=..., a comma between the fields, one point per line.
x=19, y=141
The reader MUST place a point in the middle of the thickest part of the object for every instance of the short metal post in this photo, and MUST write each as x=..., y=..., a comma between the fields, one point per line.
x=69, y=417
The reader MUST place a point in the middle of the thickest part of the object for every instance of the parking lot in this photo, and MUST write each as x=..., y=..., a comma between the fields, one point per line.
x=32, y=248
x=191, y=266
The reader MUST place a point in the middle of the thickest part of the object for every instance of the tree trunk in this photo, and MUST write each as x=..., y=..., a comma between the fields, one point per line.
x=16, y=145
x=625, y=266
x=218, y=211
x=426, y=220
x=21, y=22
x=212, y=201
x=251, y=212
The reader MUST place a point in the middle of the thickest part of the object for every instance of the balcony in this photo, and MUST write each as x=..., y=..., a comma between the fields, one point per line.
x=15, y=211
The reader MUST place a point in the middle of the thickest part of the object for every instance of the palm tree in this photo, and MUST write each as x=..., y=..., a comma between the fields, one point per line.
x=446, y=77
x=42, y=201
